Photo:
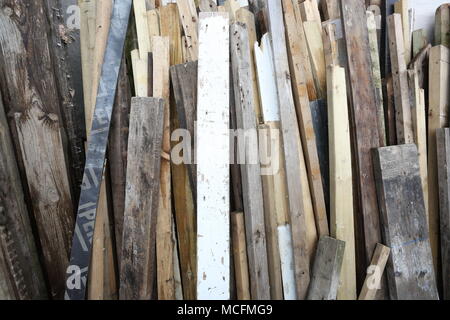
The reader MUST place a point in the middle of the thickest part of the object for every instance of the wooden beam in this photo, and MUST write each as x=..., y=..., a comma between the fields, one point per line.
x=374, y=273
x=240, y=256
x=442, y=28
x=291, y=144
x=305, y=123
x=375, y=56
x=327, y=269
x=142, y=199
x=18, y=251
x=420, y=129
x=410, y=266
x=213, y=146
x=364, y=126
x=405, y=133
x=402, y=8
x=443, y=156
x=250, y=169
x=341, y=182
x=189, y=21
x=438, y=110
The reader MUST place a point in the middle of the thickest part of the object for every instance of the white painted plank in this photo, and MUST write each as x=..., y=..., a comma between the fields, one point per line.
x=287, y=262
x=213, y=147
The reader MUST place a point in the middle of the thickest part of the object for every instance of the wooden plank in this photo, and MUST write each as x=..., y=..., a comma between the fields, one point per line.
x=117, y=152
x=153, y=26
x=443, y=156
x=402, y=8
x=170, y=27
x=313, y=35
x=419, y=41
x=245, y=16
x=326, y=270
x=278, y=232
x=143, y=37
x=374, y=273
x=310, y=11
x=410, y=268
x=231, y=6
x=30, y=92
x=442, y=26
x=420, y=129
x=291, y=144
x=18, y=251
x=140, y=74
x=330, y=46
x=375, y=56
x=164, y=243
x=331, y=9
x=390, y=113
x=438, y=110
x=341, y=190
x=405, y=134
x=213, y=239
x=240, y=256
x=364, y=126
x=189, y=21
x=142, y=198
x=250, y=169
x=207, y=5
x=305, y=123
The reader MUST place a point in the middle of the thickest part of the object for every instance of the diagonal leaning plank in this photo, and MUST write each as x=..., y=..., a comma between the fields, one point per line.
x=291, y=144
x=213, y=149
x=363, y=119
x=250, y=170
x=142, y=198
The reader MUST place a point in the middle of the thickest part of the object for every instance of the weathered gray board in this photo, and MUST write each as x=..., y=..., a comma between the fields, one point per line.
x=327, y=269
x=443, y=158
x=142, y=198
x=404, y=225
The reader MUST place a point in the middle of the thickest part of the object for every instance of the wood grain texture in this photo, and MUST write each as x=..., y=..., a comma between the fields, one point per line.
x=387, y=8
x=305, y=122
x=438, y=110
x=442, y=29
x=240, y=256
x=142, y=198
x=401, y=7
x=443, y=156
x=364, y=127
x=341, y=183
x=30, y=91
x=410, y=267
x=291, y=144
x=250, y=169
x=21, y=273
x=189, y=21
x=374, y=272
x=213, y=149
x=326, y=269
x=405, y=133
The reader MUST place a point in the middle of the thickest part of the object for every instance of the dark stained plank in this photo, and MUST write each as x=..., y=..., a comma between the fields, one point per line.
x=410, y=266
x=142, y=198
x=443, y=158
x=387, y=8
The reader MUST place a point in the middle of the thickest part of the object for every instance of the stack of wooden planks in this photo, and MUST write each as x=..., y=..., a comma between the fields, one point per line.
x=256, y=149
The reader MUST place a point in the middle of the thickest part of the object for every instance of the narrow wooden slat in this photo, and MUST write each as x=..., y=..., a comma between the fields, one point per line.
x=142, y=198
x=364, y=126
x=419, y=41
x=326, y=270
x=442, y=28
x=250, y=170
x=153, y=26
x=410, y=266
x=18, y=251
x=438, y=110
x=387, y=8
x=374, y=273
x=291, y=144
x=341, y=190
x=443, y=156
x=390, y=113
x=240, y=256
x=405, y=133
x=420, y=129
x=143, y=37
x=401, y=7
x=330, y=46
x=213, y=239
x=189, y=20
x=375, y=56
x=310, y=11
